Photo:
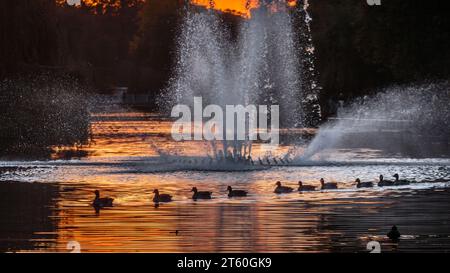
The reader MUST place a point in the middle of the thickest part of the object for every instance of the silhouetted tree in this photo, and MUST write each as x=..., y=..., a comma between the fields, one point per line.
x=361, y=47
x=28, y=33
x=153, y=46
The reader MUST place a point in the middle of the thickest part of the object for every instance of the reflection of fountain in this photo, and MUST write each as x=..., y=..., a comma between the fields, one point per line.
x=259, y=67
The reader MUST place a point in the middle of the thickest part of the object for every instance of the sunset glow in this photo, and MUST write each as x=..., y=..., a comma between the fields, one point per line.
x=101, y=5
x=241, y=7
x=238, y=7
x=235, y=6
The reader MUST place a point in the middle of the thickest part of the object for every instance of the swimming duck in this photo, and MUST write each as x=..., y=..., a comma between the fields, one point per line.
x=394, y=234
x=360, y=184
x=398, y=182
x=161, y=198
x=302, y=187
x=282, y=189
x=235, y=193
x=200, y=194
x=328, y=185
x=250, y=160
x=102, y=202
x=383, y=183
x=260, y=161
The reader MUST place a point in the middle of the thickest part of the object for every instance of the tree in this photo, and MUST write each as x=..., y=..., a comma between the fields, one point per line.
x=154, y=45
x=28, y=33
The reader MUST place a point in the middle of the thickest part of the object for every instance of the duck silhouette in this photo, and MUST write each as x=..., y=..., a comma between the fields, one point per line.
x=328, y=185
x=302, y=187
x=161, y=198
x=399, y=182
x=360, y=184
x=384, y=183
x=200, y=194
x=282, y=189
x=250, y=160
x=394, y=234
x=102, y=202
x=236, y=193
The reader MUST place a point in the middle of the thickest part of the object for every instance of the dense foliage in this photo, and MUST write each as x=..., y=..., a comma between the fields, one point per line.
x=117, y=42
x=360, y=47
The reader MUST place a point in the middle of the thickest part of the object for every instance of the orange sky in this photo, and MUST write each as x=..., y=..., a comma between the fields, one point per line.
x=237, y=6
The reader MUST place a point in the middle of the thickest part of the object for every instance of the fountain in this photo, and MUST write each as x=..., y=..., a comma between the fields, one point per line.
x=408, y=120
x=260, y=66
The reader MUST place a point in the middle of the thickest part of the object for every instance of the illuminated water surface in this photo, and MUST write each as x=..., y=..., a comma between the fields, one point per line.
x=123, y=163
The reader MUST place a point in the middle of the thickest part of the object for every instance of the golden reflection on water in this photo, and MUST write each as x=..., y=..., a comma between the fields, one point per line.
x=203, y=227
x=143, y=134
x=343, y=220
x=292, y=223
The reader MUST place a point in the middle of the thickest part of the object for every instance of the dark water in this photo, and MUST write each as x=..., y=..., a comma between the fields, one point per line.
x=44, y=216
x=53, y=215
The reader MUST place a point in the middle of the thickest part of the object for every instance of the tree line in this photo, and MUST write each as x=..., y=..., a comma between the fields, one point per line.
x=357, y=47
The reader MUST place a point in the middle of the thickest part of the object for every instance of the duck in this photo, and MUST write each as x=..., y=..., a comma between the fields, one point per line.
x=394, y=234
x=260, y=161
x=161, y=198
x=176, y=232
x=328, y=185
x=398, y=182
x=236, y=193
x=282, y=189
x=250, y=160
x=383, y=183
x=200, y=194
x=302, y=187
x=102, y=202
x=360, y=184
